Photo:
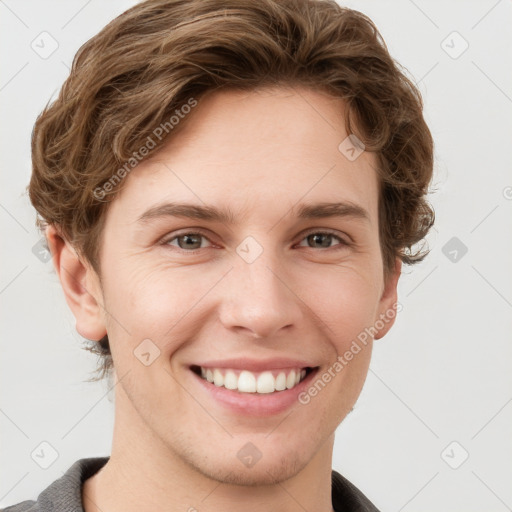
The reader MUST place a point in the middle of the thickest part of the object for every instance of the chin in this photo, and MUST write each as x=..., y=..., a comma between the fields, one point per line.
x=233, y=472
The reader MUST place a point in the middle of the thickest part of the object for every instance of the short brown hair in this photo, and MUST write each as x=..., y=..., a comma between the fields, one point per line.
x=149, y=61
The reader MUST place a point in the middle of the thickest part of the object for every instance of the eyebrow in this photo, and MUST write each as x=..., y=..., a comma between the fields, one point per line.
x=227, y=216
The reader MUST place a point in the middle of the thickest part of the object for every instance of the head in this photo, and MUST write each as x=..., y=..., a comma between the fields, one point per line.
x=242, y=110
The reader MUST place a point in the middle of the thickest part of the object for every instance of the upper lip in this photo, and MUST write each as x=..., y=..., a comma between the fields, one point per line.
x=256, y=365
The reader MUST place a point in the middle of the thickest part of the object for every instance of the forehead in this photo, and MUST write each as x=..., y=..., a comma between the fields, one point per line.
x=255, y=151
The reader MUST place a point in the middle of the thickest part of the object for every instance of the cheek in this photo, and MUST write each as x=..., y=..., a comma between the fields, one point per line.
x=169, y=304
x=343, y=298
x=155, y=303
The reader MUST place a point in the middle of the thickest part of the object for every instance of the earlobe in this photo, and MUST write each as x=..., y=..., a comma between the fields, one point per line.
x=80, y=285
x=388, y=302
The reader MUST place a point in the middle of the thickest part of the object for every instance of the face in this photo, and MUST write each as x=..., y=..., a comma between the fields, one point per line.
x=274, y=290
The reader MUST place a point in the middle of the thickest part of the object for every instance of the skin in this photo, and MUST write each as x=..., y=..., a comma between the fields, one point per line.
x=260, y=153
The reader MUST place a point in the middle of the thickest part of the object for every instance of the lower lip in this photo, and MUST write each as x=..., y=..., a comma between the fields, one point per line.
x=255, y=404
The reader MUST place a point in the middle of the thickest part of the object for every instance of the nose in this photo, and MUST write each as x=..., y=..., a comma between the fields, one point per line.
x=259, y=299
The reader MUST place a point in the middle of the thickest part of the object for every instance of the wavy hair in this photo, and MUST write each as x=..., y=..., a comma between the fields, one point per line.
x=149, y=61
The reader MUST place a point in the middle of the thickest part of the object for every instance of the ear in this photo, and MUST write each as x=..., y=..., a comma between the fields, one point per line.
x=80, y=284
x=388, y=302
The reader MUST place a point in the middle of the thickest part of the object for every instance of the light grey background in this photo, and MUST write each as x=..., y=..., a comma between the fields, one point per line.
x=443, y=372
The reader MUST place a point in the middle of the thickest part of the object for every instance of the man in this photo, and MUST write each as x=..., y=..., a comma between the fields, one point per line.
x=229, y=190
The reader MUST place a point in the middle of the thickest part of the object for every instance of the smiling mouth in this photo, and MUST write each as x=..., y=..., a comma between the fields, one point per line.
x=245, y=381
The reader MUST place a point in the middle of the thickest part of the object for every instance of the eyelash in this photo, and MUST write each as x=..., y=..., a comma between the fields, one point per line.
x=343, y=243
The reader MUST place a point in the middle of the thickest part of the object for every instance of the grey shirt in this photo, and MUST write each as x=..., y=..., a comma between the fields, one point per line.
x=65, y=494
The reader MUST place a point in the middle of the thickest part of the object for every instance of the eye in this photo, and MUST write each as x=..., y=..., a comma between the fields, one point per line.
x=324, y=238
x=187, y=241
x=192, y=241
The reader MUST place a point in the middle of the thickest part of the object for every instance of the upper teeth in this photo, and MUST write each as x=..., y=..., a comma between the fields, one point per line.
x=249, y=382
